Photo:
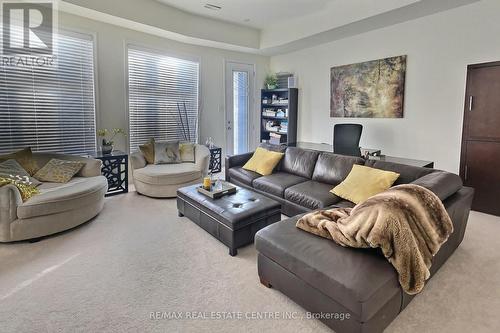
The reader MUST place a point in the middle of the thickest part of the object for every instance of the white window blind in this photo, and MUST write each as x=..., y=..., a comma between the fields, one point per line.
x=157, y=85
x=51, y=108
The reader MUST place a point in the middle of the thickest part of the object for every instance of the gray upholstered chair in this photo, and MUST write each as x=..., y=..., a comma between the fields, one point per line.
x=163, y=180
x=58, y=207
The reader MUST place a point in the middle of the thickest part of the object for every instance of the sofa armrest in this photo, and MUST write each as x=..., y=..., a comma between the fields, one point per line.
x=10, y=199
x=442, y=183
x=234, y=161
x=202, y=158
x=137, y=160
x=237, y=160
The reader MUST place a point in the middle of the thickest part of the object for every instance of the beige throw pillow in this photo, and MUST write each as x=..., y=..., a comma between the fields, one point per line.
x=59, y=171
x=148, y=151
x=25, y=158
x=167, y=152
x=187, y=152
x=12, y=169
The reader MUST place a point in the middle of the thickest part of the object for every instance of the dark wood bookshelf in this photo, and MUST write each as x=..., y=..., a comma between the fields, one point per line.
x=291, y=94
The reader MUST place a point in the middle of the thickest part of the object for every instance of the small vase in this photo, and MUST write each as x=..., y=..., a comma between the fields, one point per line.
x=107, y=149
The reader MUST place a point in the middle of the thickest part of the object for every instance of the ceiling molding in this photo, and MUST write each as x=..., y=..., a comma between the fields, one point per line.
x=158, y=15
x=152, y=30
x=393, y=17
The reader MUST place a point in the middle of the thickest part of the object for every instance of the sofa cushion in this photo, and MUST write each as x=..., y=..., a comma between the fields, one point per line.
x=362, y=280
x=168, y=174
x=299, y=162
x=333, y=168
x=311, y=194
x=56, y=197
x=271, y=147
x=277, y=183
x=243, y=176
x=407, y=173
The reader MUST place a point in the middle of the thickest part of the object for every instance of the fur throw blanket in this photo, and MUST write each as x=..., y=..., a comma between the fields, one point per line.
x=407, y=222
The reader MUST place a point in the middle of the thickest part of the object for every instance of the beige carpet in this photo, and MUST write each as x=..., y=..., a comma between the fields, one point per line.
x=138, y=257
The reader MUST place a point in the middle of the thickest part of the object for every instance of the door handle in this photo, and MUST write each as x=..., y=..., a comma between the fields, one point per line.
x=471, y=102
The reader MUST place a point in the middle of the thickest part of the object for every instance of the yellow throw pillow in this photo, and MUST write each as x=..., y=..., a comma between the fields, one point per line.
x=363, y=182
x=263, y=161
x=27, y=190
x=148, y=151
x=58, y=171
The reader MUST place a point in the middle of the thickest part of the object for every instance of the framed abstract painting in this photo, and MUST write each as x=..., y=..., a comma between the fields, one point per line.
x=372, y=89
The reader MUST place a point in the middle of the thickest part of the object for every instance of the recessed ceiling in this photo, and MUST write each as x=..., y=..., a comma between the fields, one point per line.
x=262, y=14
x=266, y=27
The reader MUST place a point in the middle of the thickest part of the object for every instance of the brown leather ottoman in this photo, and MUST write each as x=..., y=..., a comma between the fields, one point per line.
x=233, y=219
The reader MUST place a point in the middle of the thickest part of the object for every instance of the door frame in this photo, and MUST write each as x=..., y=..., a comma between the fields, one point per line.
x=228, y=100
x=467, y=109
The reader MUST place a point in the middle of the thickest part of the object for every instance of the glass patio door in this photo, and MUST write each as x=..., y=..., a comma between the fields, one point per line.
x=239, y=103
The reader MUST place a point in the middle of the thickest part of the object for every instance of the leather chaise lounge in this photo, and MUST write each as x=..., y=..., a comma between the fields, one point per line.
x=356, y=290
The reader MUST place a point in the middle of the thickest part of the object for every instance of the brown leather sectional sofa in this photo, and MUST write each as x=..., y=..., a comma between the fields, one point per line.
x=350, y=290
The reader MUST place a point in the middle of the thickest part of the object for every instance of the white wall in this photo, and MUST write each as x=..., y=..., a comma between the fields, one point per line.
x=111, y=44
x=439, y=48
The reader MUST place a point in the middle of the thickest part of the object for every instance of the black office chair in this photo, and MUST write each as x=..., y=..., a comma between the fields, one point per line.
x=346, y=139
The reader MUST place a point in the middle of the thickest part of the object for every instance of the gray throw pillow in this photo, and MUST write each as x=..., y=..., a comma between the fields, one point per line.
x=167, y=152
x=11, y=169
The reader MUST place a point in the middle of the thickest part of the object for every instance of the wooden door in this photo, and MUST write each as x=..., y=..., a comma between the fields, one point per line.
x=480, y=159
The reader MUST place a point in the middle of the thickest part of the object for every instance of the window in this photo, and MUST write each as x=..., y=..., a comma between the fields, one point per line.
x=240, y=110
x=51, y=108
x=160, y=86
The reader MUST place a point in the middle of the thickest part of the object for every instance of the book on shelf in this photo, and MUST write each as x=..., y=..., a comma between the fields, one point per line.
x=272, y=125
x=280, y=114
x=269, y=113
x=284, y=126
x=274, y=138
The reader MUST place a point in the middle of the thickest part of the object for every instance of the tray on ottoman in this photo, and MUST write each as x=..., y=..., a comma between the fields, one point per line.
x=233, y=219
x=226, y=188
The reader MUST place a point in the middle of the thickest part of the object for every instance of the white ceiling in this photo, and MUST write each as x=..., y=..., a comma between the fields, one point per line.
x=262, y=14
x=274, y=26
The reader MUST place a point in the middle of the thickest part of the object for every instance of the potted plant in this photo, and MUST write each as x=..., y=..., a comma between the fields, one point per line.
x=271, y=81
x=107, y=144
